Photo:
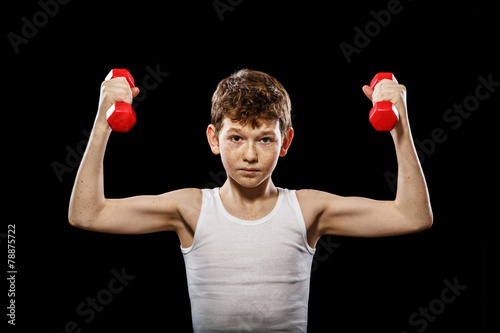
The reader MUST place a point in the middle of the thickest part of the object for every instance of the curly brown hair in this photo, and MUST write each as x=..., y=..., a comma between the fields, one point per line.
x=249, y=95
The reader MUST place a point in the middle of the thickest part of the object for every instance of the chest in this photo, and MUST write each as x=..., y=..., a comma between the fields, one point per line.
x=250, y=212
x=236, y=252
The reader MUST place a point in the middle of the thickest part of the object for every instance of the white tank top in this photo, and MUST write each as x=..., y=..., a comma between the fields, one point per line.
x=249, y=276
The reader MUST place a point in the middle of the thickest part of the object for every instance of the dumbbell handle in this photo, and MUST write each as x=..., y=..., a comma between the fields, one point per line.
x=384, y=115
x=121, y=116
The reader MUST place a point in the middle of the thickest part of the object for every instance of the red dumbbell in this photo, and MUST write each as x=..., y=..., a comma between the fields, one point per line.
x=121, y=116
x=384, y=115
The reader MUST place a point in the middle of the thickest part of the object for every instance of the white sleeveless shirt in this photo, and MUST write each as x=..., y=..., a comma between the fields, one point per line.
x=249, y=276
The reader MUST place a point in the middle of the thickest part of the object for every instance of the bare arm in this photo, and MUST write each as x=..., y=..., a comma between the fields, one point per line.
x=355, y=216
x=89, y=209
x=87, y=198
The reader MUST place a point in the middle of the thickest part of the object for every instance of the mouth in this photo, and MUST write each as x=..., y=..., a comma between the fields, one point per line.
x=249, y=171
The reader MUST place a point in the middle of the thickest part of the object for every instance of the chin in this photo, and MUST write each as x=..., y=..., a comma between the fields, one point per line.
x=249, y=182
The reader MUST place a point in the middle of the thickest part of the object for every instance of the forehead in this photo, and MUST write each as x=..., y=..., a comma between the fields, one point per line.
x=265, y=125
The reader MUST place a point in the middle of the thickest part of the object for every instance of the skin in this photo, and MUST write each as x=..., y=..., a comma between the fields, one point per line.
x=249, y=156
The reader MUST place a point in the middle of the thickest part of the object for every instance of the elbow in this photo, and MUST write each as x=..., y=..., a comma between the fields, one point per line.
x=417, y=223
x=83, y=217
x=430, y=221
x=430, y=218
x=420, y=218
x=72, y=218
x=74, y=221
x=417, y=220
x=77, y=221
x=424, y=223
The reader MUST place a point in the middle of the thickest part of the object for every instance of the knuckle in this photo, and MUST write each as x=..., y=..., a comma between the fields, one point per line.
x=104, y=85
x=116, y=82
x=123, y=97
x=121, y=80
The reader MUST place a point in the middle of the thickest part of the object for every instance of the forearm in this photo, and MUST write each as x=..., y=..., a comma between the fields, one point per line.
x=87, y=197
x=412, y=197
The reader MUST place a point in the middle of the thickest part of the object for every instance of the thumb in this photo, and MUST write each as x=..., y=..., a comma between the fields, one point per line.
x=135, y=91
x=368, y=91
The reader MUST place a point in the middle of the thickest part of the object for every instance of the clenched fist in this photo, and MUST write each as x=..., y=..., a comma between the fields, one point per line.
x=388, y=90
x=115, y=90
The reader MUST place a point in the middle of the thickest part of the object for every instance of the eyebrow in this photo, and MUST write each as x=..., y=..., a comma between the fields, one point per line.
x=268, y=133
x=236, y=130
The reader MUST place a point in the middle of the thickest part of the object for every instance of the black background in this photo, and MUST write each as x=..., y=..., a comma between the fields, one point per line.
x=51, y=93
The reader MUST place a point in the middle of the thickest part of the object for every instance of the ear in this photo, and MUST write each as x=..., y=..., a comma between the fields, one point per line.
x=287, y=140
x=213, y=141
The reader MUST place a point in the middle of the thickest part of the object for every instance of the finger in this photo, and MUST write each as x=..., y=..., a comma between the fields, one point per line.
x=122, y=96
x=135, y=91
x=368, y=91
x=388, y=91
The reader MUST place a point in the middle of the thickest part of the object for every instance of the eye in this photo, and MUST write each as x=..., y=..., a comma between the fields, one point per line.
x=236, y=138
x=266, y=140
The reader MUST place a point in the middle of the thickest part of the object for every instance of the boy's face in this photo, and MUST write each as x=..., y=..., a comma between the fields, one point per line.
x=249, y=155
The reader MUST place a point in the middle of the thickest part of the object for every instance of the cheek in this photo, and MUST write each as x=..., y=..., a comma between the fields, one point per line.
x=269, y=157
x=227, y=156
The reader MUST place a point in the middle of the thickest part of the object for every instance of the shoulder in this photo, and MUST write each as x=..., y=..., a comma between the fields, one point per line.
x=314, y=203
x=184, y=193
x=185, y=197
x=188, y=193
x=184, y=201
x=190, y=204
x=315, y=197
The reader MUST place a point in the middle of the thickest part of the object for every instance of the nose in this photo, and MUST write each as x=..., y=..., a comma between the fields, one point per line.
x=250, y=154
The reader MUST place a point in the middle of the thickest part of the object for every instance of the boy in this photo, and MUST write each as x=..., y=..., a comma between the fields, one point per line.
x=248, y=245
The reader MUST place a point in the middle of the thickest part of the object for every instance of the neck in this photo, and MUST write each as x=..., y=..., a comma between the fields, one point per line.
x=264, y=190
